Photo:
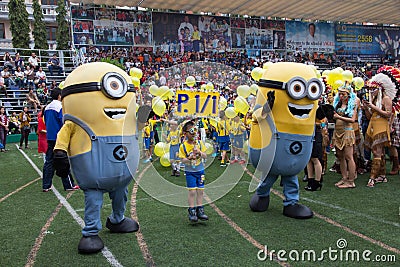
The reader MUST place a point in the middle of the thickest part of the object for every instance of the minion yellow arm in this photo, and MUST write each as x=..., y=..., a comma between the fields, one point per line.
x=64, y=136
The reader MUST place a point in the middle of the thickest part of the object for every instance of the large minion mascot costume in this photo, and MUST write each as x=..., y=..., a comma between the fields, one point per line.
x=99, y=135
x=282, y=132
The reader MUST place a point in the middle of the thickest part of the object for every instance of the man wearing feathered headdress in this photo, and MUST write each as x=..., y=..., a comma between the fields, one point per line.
x=382, y=90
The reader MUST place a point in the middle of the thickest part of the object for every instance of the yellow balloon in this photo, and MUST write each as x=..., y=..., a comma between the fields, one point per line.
x=358, y=83
x=347, y=76
x=135, y=81
x=160, y=149
x=209, y=148
x=154, y=89
x=222, y=103
x=337, y=84
x=162, y=90
x=257, y=73
x=339, y=69
x=210, y=86
x=243, y=90
x=334, y=75
x=61, y=85
x=135, y=72
x=241, y=105
x=164, y=160
x=254, y=89
x=190, y=81
x=230, y=112
x=158, y=106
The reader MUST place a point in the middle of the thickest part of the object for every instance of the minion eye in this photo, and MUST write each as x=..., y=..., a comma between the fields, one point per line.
x=297, y=89
x=114, y=85
x=314, y=90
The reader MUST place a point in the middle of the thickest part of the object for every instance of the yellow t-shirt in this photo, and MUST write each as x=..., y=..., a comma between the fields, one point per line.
x=146, y=131
x=236, y=128
x=186, y=149
x=223, y=128
x=173, y=137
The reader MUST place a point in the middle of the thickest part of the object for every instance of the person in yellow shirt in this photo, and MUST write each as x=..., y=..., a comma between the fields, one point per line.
x=146, y=142
x=192, y=151
x=237, y=129
x=223, y=138
x=173, y=139
x=152, y=123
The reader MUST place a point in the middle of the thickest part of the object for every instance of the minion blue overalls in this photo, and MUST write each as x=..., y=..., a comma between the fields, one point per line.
x=108, y=167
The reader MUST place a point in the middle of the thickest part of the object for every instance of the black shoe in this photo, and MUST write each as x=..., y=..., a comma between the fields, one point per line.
x=90, y=244
x=297, y=211
x=313, y=185
x=192, y=214
x=127, y=225
x=258, y=203
x=200, y=214
x=177, y=173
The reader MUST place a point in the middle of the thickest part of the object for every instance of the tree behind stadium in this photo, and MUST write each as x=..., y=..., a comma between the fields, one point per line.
x=62, y=34
x=39, y=27
x=19, y=23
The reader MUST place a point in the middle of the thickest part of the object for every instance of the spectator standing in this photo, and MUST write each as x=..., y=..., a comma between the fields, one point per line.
x=41, y=132
x=3, y=87
x=24, y=119
x=53, y=121
x=3, y=128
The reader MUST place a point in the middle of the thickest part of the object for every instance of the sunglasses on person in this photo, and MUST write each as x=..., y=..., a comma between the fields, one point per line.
x=192, y=130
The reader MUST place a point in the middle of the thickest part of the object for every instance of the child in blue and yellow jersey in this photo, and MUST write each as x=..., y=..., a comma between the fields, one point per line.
x=192, y=152
x=173, y=139
x=223, y=137
x=238, y=130
x=146, y=142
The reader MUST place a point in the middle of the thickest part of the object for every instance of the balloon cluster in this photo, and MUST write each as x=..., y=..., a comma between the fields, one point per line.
x=161, y=150
x=160, y=94
x=338, y=77
x=240, y=105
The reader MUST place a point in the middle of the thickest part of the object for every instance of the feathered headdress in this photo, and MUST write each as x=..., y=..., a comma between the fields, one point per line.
x=387, y=80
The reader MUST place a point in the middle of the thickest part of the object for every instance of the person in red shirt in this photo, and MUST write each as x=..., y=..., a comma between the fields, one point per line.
x=41, y=132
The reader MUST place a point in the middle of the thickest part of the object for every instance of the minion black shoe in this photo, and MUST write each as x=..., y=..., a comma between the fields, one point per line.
x=297, y=211
x=258, y=203
x=200, y=214
x=127, y=225
x=90, y=244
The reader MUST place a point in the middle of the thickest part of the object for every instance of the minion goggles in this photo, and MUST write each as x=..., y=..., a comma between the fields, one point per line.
x=113, y=85
x=297, y=87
